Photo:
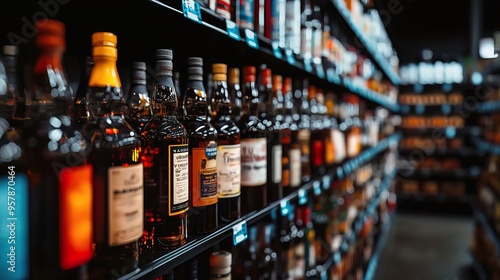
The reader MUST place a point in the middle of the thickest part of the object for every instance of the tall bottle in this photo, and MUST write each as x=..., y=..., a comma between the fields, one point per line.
x=181, y=111
x=138, y=101
x=117, y=168
x=14, y=176
x=60, y=226
x=294, y=154
x=253, y=148
x=304, y=133
x=15, y=83
x=228, y=148
x=166, y=160
x=203, y=217
x=235, y=93
x=80, y=109
x=270, y=118
x=317, y=135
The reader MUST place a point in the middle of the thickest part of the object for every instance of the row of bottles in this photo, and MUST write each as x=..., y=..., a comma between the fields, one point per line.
x=309, y=30
x=113, y=179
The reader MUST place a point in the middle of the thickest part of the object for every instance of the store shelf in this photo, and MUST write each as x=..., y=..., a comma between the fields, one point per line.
x=425, y=173
x=488, y=107
x=381, y=61
x=438, y=198
x=380, y=244
x=433, y=88
x=480, y=217
x=478, y=267
x=449, y=132
x=485, y=146
x=435, y=109
x=464, y=152
x=199, y=244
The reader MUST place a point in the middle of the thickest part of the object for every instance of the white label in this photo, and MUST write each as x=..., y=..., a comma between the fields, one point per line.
x=339, y=142
x=295, y=170
x=277, y=163
x=228, y=170
x=253, y=162
x=125, y=202
x=352, y=142
x=179, y=168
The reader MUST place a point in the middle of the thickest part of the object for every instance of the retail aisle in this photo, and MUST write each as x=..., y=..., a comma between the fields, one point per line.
x=427, y=246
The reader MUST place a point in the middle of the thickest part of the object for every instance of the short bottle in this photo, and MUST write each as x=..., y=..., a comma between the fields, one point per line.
x=138, y=99
x=228, y=148
x=166, y=164
x=253, y=148
x=203, y=217
x=117, y=167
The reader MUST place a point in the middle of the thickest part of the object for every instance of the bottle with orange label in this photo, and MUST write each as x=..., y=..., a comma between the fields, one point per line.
x=203, y=217
x=60, y=226
x=165, y=158
x=117, y=168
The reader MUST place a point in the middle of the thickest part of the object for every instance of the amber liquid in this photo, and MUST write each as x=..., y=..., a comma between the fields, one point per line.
x=202, y=219
x=114, y=143
x=274, y=182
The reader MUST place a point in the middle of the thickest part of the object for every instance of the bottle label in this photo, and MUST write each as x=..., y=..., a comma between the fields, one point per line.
x=75, y=202
x=329, y=149
x=14, y=236
x=125, y=201
x=340, y=148
x=246, y=14
x=253, y=162
x=229, y=170
x=318, y=152
x=295, y=172
x=277, y=151
x=352, y=142
x=179, y=179
x=304, y=138
x=204, y=175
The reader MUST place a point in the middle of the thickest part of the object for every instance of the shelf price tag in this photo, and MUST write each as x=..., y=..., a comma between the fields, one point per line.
x=289, y=56
x=277, y=50
x=446, y=109
x=419, y=109
x=233, y=30
x=191, y=10
x=451, y=132
x=251, y=39
x=326, y=182
x=302, y=197
x=285, y=208
x=317, y=188
x=240, y=232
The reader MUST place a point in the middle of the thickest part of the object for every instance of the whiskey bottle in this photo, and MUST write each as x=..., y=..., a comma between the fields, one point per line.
x=60, y=227
x=117, y=168
x=304, y=133
x=203, y=214
x=80, y=109
x=181, y=111
x=166, y=164
x=294, y=154
x=269, y=117
x=15, y=84
x=253, y=148
x=228, y=148
x=235, y=93
x=317, y=136
x=138, y=101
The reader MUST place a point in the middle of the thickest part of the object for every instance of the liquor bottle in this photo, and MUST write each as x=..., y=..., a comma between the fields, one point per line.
x=292, y=26
x=306, y=31
x=13, y=164
x=310, y=241
x=228, y=148
x=253, y=148
x=181, y=111
x=326, y=127
x=60, y=227
x=235, y=93
x=80, y=109
x=304, y=133
x=298, y=266
x=294, y=153
x=117, y=168
x=220, y=265
x=138, y=101
x=202, y=135
x=15, y=84
x=269, y=117
x=286, y=132
x=317, y=135
x=210, y=96
x=166, y=164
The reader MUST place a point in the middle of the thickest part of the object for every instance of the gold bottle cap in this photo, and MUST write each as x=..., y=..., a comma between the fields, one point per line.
x=234, y=76
x=104, y=45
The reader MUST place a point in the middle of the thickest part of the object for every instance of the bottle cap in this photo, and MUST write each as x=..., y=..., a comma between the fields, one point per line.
x=164, y=54
x=165, y=64
x=220, y=259
x=249, y=70
x=104, y=44
x=139, y=71
x=139, y=65
x=312, y=92
x=234, y=76
x=50, y=33
x=266, y=76
x=219, y=68
x=195, y=73
x=10, y=50
x=287, y=84
x=220, y=270
x=195, y=61
x=277, y=82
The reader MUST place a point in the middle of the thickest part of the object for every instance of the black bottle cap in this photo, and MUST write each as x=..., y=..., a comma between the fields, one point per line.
x=139, y=71
x=164, y=54
x=164, y=64
x=195, y=61
x=141, y=66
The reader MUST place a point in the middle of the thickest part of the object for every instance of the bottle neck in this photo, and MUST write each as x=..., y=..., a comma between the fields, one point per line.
x=164, y=100
x=195, y=99
x=221, y=98
x=251, y=99
x=105, y=73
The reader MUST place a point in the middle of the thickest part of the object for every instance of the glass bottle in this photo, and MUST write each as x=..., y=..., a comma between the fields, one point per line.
x=181, y=111
x=270, y=118
x=317, y=137
x=235, y=93
x=138, y=101
x=166, y=164
x=80, y=109
x=203, y=216
x=228, y=148
x=15, y=83
x=117, y=168
x=60, y=226
x=304, y=133
x=253, y=148
x=294, y=154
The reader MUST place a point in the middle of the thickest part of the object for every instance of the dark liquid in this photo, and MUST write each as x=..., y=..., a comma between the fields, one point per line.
x=274, y=187
x=163, y=231
x=114, y=143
